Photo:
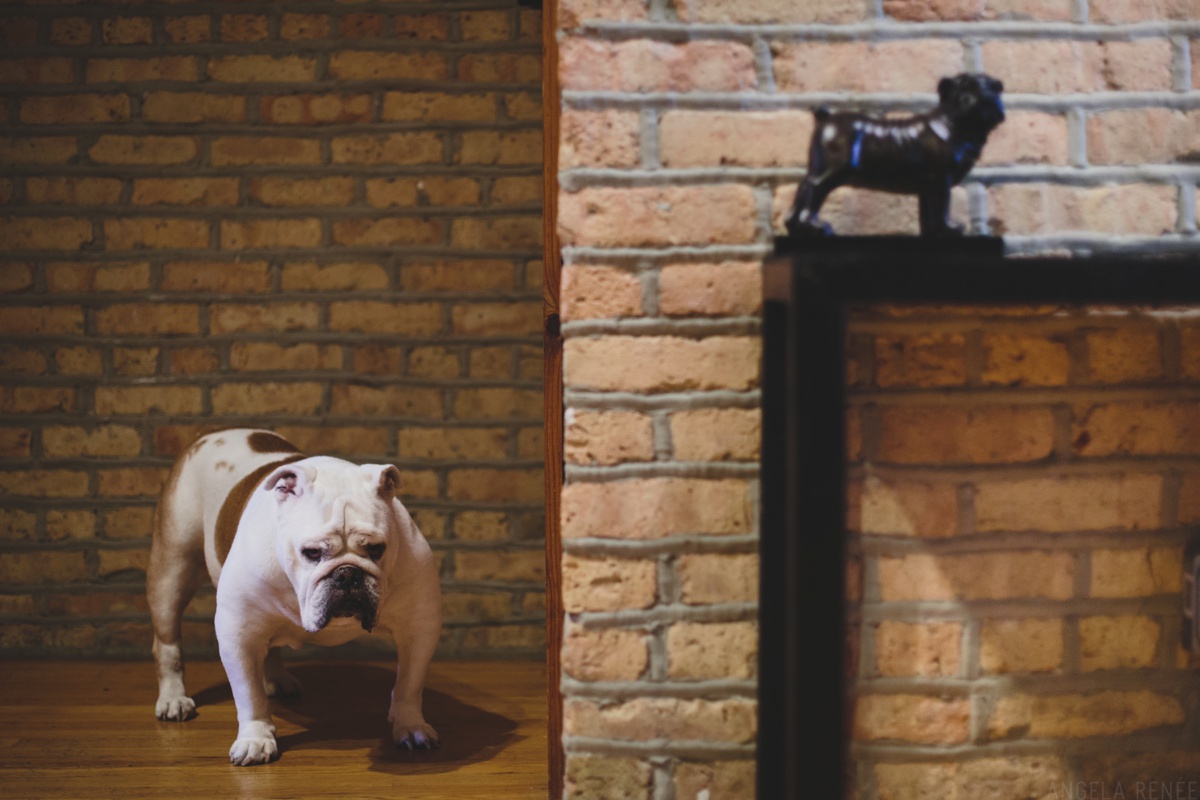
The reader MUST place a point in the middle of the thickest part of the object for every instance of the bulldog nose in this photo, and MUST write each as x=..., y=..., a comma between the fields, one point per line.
x=347, y=576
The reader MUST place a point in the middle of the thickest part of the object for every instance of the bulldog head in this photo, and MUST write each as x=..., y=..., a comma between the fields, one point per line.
x=972, y=102
x=334, y=527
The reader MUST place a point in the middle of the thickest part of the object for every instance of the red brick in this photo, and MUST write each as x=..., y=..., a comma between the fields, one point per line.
x=403, y=106
x=716, y=434
x=604, y=655
x=590, y=292
x=260, y=317
x=222, y=277
x=1137, y=429
x=1117, y=355
x=523, y=106
x=53, y=567
x=460, y=444
x=719, y=778
x=23, y=31
x=497, y=233
x=481, y=565
x=718, y=138
x=412, y=319
x=387, y=401
x=1020, y=645
x=1142, y=136
x=1025, y=360
x=980, y=435
x=496, y=319
x=903, y=66
x=768, y=11
x=425, y=27
x=712, y=651
x=1048, y=66
x=1123, y=502
x=920, y=360
x=35, y=399
x=1015, y=776
x=486, y=26
x=410, y=192
x=500, y=147
x=342, y=276
x=143, y=400
x=139, y=233
x=78, y=361
x=662, y=363
x=143, y=150
x=1029, y=137
x=67, y=109
x=726, y=289
x=1117, y=11
x=309, y=109
x=266, y=398
x=193, y=107
x=37, y=149
x=270, y=233
x=73, y=191
x=388, y=231
x=498, y=403
x=45, y=233
x=656, y=507
x=1069, y=716
x=898, y=507
x=1126, y=642
x=265, y=150
x=933, y=10
x=16, y=278
x=131, y=482
x=262, y=68
x=658, y=216
x=904, y=649
x=912, y=718
x=42, y=320
x=190, y=29
x=653, y=719
x=978, y=576
x=1140, y=572
x=641, y=65
x=129, y=70
x=186, y=191
x=127, y=30
x=37, y=70
x=500, y=67
x=1043, y=208
x=97, y=277
x=374, y=65
x=300, y=192
x=243, y=27
x=607, y=437
x=396, y=148
x=147, y=319
x=573, y=13
x=300, y=27
x=516, y=190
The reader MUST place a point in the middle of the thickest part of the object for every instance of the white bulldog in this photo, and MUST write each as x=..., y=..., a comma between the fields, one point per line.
x=301, y=550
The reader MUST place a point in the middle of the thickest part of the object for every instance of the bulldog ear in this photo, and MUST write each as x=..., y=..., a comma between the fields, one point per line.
x=946, y=89
x=385, y=478
x=286, y=482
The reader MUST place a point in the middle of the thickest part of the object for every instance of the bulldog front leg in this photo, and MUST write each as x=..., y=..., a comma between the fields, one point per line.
x=243, y=660
x=409, y=728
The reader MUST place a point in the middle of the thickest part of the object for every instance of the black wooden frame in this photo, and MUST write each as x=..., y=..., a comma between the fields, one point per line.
x=808, y=285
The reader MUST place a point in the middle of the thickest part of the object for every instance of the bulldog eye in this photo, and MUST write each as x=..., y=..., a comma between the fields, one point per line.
x=375, y=551
x=311, y=553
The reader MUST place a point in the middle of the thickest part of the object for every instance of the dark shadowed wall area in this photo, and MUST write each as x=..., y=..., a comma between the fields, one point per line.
x=322, y=218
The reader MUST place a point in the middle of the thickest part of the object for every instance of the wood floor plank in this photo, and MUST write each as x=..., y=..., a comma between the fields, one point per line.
x=87, y=730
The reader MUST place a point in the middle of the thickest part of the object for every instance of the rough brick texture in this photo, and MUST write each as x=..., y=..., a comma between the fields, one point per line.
x=318, y=220
x=1021, y=479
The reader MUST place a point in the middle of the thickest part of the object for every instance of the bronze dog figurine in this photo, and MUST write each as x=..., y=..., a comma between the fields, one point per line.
x=923, y=155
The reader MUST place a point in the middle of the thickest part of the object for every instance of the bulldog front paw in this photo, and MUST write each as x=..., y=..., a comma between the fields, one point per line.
x=176, y=708
x=255, y=745
x=420, y=736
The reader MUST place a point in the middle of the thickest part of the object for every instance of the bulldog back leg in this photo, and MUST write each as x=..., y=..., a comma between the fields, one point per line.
x=175, y=571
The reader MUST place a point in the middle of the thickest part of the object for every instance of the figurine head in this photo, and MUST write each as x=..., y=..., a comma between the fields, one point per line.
x=972, y=102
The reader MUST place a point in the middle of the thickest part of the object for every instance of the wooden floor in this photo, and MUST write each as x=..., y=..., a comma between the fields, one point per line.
x=87, y=730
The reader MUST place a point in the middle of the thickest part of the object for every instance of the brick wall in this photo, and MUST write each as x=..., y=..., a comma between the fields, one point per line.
x=322, y=218
x=684, y=131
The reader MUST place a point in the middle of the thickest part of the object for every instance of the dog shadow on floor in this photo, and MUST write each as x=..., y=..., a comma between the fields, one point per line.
x=344, y=706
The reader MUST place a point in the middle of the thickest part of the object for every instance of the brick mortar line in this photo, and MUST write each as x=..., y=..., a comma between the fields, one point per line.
x=880, y=545
x=1046, y=471
x=881, y=31
x=1040, y=608
x=574, y=254
x=1166, y=681
x=881, y=101
x=1000, y=395
x=683, y=749
x=737, y=544
x=1060, y=746
x=666, y=401
x=688, y=327
x=638, y=618
x=699, y=690
x=707, y=470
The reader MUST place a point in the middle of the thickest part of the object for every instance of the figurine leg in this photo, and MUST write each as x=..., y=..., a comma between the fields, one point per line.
x=809, y=198
x=934, y=208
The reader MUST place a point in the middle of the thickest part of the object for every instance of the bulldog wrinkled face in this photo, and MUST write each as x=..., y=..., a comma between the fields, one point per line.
x=335, y=527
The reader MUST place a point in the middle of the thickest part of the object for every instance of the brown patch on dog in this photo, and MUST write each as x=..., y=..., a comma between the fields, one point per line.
x=235, y=503
x=263, y=442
